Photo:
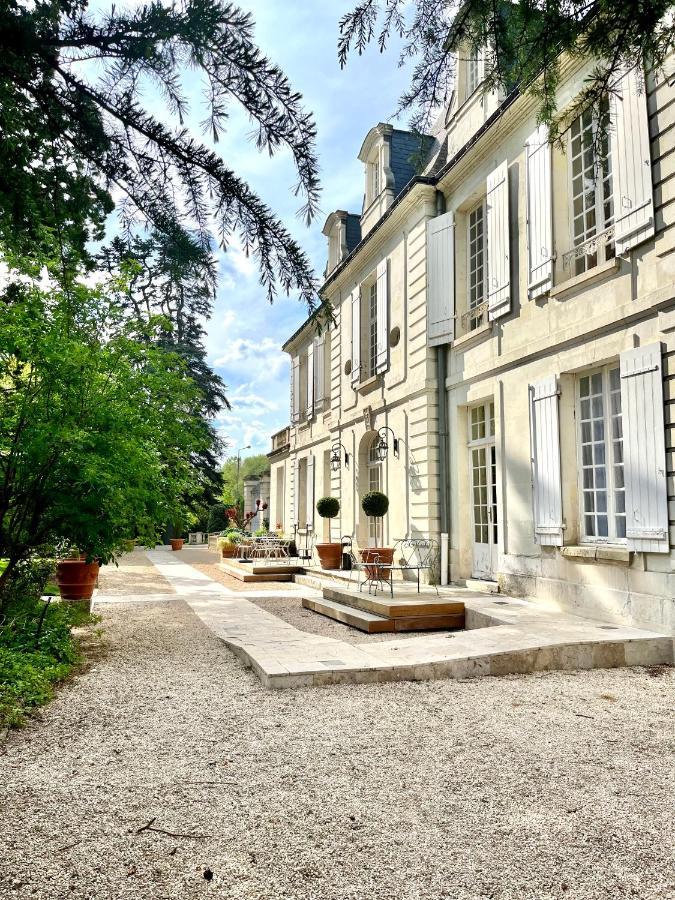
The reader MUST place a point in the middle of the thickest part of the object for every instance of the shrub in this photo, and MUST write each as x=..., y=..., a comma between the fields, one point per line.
x=37, y=648
x=375, y=504
x=218, y=518
x=328, y=507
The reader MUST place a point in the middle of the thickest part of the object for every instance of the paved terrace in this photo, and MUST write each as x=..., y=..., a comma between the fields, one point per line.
x=504, y=636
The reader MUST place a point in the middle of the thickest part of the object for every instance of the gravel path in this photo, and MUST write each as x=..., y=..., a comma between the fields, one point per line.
x=519, y=788
x=135, y=570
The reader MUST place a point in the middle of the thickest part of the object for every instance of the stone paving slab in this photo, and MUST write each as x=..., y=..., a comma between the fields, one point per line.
x=518, y=637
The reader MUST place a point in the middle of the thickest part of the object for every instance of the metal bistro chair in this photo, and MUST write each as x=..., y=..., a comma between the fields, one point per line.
x=410, y=555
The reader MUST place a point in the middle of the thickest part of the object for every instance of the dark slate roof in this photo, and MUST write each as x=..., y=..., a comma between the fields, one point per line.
x=353, y=231
x=408, y=152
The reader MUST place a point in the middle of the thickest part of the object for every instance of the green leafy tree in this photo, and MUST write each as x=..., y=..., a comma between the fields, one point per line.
x=522, y=44
x=171, y=282
x=98, y=436
x=76, y=120
x=233, y=486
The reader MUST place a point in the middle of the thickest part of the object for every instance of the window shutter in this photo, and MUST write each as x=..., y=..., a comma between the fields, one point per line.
x=294, y=506
x=356, y=336
x=319, y=367
x=545, y=444
x=310, y=380
x=631, y=164
x=295, y=390
x=382, y=353
x=441, y=280
x=539, y=214
x=644, y=448
x=310, y=493
x=499, y=278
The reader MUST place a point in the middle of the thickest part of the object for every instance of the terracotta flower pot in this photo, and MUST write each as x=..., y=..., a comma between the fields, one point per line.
x=330, y=555
x=383, y=555
x=229, y=551
x=76, y=578
x=176, y=543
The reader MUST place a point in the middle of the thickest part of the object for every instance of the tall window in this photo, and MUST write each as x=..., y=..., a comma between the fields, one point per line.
x=600, y=437
x=374, y=484
x=374, y=185
x=592, y=207
x=301, y=494
x=477, y=270
x=372, y=328
x=472, y=75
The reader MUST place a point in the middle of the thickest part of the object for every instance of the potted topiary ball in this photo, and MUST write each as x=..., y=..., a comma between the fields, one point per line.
x=375, y=505
x=330, y=554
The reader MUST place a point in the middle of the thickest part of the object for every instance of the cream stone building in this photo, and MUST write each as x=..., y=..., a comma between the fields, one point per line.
x=505, y=324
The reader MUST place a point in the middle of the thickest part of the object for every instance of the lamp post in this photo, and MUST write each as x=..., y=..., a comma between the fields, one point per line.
x=247, y=447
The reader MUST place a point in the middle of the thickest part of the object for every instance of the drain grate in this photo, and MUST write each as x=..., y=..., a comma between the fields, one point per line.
x=500, y=602
x=609, y=627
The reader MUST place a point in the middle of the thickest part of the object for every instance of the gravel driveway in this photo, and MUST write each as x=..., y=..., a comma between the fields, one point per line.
x=526, y=788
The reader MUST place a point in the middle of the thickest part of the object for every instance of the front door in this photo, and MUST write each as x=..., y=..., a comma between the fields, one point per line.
x=483, y=480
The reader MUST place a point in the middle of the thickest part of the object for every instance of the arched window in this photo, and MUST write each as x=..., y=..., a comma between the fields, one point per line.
x=374, y=484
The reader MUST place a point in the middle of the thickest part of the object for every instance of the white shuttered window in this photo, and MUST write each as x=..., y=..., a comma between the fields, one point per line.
x=356, y=336
x=382, y=328
x=644, y=449
x=295, y=390
x=310, y=492
x=631, y=162
x=539, y=214
x=441, y=280
x=310, y=381
x=545, y=446
x=319, y=369
x=499, y=271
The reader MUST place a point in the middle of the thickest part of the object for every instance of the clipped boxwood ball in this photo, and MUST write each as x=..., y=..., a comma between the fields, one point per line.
x=328, y=507
x=375, y=504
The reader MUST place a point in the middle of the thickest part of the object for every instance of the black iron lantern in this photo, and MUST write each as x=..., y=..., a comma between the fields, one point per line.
x=336, y=457
x=382, y=448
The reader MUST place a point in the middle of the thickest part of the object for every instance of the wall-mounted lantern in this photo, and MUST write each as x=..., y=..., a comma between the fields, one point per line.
x=336, y=452
x=383, y=443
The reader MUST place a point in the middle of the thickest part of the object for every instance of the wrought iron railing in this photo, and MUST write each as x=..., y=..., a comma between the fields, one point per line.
x=475, y=317
x=595, y=250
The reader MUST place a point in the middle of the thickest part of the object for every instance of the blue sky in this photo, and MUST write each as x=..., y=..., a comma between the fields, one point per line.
x=245, y=333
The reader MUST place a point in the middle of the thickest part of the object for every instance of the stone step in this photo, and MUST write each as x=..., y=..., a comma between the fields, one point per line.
x=412, y=606
x=374, y=624
x=349, y=615
x=482, y=585
x=251, y=573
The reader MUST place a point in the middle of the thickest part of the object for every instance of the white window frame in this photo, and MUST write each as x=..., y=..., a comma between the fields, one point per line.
x=598, y=241
x=375, y=474
x=611, y=463
x=371, y=329
x=473, y=322
x=473, y=78
x=488, y=439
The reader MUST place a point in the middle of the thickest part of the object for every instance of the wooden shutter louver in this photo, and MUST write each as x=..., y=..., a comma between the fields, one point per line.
x=295, y=390
x=441, y=280
x=319, y=369
x=631, y=163
x=539, y=214
x=499, y=269
x=545, y=448
x=356, y=336
x=310, y=380
x=382, y=350
x=644, y=449
x=310, y=493
x=294, y=506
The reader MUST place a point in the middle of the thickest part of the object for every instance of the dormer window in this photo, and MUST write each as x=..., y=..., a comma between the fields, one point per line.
x=472, y=75
x=374, y=182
